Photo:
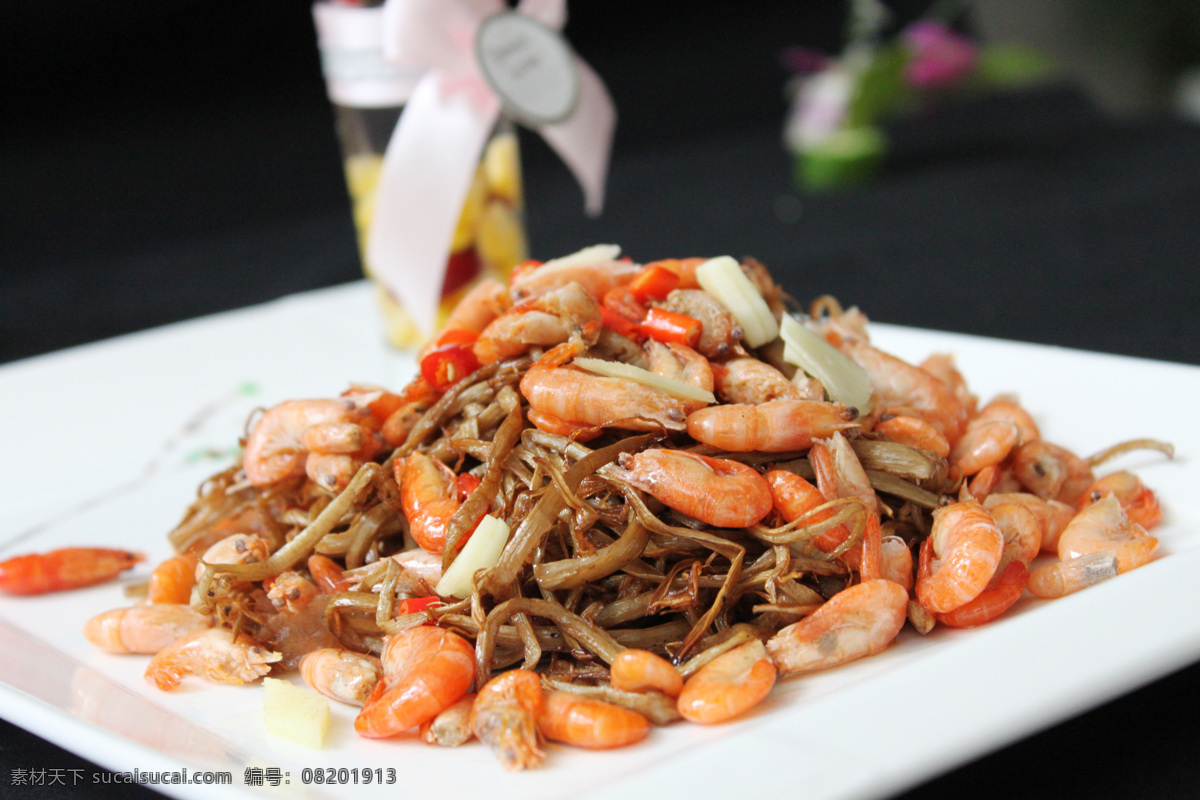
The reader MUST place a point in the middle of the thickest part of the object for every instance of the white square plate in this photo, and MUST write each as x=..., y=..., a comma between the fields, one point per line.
x=80, y=427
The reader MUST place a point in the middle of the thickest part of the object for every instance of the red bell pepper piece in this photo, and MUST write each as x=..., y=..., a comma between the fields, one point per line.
x=668, y=326
x=654, y=282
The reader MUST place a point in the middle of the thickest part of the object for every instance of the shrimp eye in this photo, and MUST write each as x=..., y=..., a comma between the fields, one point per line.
x=1095, y=496
x=1039, y=469
x=240, y=545
x=851, y=413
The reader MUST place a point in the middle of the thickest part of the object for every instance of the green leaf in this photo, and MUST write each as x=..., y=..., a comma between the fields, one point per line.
x=1011, y=66
x=880, y=88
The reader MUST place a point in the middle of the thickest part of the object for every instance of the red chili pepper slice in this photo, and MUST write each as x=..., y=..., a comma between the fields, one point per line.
x=466, y=483
x=412, y=605
x=621, y=312
x=654, y=282
x=447, y=364
x=668, y=326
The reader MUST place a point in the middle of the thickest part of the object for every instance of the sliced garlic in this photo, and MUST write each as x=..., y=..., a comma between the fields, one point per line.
x=619, y=369
x=723, y=279
x=844, y=381
x=482, y=551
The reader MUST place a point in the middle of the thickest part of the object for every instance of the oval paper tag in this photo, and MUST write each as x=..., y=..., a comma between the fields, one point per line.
x=530, y=67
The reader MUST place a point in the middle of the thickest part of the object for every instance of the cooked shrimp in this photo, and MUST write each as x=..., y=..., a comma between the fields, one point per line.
x=1053, y=516
x=729, y=685
x=1139, y=502
x=914, y=432
x=582, y=398
x=486, y=301
x=172, y=580
x=598, y=278
x=999, y=596
x=839, y=472
x=291, y=591
x=1008, y=409
x=278, y=448
x=329, y=577
x=238, y=548
x=898, y=383
x=505, y=716
x=720, y=334
x=985, y=444
x=774, y=427
x=425, y=670
x=429, y=496
x=642, y=671
x=681, y=363
x=591, y=724
x=63, y=569
x=959, y=557
x=858, y=621
x=144, y=629
x=748, y=380
x=1064, y=577
x=1022, y=529
x=540, y=321
x=342, y=675
x=718, y=491
x=1052, y=472
x=793, y=497
x=897, y=561
x=1104, y=525
x=215, y=654
x=452, y=727
x=942, y=367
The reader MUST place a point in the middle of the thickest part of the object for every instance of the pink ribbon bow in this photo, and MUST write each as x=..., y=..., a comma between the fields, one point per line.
x=432, y=155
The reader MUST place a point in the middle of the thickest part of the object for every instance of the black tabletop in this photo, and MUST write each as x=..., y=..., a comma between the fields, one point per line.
x=184, y=179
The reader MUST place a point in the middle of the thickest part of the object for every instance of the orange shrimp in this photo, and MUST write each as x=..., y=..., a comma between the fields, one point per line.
x=214, y=653
x=1000, y=595
x=896, y=561
x=544, y=320
x=290, y=591
x=1052, y=515
x=582, y=398
x=1139, y=502
x=452, y=727
x=839, y=473
x=144, y=629
x=342, y=675
x=942, y=367
x=598, y=276
x=429, y=496
x=285, y=436
x=238, y=548
x=479, y=307
x=642, y=671
x=172, y=580
x=1022, y=531
x=63, y=569
x=717, y=491
x=774, y=427
x=1104, y=525
x=985, y=444
x=898, y=383
x=914, y=432
x=1052, y=472
x=329, y=577
x=748, y=380
x=729, y=685
x=858, y=621
x=505, y=716
x=793, y=497
x=720, y=334
x=591, y=724
x=1064, y=577
x=1008, y=409
x=425, y=670
x=681, y=363
x=959, y=557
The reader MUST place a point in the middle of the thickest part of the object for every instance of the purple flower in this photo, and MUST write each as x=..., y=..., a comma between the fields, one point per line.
x=940, y=57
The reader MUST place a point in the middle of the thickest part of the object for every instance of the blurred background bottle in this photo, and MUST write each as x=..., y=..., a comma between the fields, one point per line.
x=368, y=96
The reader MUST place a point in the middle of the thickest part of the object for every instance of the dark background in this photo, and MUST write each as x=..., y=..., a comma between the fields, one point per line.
x=171, y=159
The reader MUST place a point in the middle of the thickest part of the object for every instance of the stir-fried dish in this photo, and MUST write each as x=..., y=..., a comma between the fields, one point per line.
x=619, y=495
